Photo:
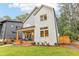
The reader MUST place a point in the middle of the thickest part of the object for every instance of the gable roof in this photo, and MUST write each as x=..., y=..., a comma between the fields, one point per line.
x=31, y=13
x=42, y=7
x=38, y=9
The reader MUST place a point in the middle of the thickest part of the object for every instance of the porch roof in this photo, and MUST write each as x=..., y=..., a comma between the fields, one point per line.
x=26, y=28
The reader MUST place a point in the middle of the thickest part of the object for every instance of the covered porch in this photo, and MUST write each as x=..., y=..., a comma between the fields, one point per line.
x=27, y=35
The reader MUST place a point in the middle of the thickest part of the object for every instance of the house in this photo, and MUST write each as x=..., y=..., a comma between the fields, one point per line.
x=8, y=29
x=40, y=26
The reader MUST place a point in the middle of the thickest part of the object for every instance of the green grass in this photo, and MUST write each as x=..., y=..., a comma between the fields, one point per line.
x=37, y=51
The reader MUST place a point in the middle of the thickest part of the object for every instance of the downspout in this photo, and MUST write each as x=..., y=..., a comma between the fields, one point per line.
x=56, y=27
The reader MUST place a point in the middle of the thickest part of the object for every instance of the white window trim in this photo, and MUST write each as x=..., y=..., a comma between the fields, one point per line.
x=44, y=32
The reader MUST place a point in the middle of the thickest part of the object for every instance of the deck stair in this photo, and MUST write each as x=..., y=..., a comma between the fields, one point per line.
x=27, y=43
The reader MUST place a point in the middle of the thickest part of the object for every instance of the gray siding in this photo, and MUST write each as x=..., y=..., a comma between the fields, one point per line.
x=3, y=31
x=9, y=30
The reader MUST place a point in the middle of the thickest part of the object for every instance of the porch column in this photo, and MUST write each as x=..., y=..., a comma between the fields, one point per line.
x=17, y=35
x=17, y=38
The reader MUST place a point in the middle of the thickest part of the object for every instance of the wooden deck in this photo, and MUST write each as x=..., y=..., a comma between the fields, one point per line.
x=27, y=43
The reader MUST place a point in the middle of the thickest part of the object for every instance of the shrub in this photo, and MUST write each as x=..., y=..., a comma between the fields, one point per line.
x=73, y=36
x=48, y=44
x=33, y=43
x=42, y=43
x=70, y=33
x=56, y=44
x=38, y=43
x=12, y=40
x=45, y=43
x=5, y=42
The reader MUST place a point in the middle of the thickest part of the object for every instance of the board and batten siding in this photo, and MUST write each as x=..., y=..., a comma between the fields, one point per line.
x=9, y=30
x=29, y=22
x=50, y=23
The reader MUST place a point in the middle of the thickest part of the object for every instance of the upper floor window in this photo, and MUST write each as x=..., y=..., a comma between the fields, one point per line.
x=43, y=17
x=18, y=27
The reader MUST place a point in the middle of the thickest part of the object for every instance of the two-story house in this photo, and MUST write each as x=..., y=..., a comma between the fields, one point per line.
x=40, y=26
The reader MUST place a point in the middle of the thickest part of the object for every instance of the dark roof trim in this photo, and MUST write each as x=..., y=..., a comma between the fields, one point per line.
x=10, y=21
x=36, y=11
x=30, y=14
x=56, y=27
x=41, y=8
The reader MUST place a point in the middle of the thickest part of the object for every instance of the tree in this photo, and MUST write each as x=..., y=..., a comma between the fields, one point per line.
x=63, y=20
x=7, y=18
x=67, y=20
x=22, y=17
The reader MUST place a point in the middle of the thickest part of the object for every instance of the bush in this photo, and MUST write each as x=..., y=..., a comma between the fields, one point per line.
x=48, y=44
x=33, y=43
x=72, y=34
x=42, y=43
x=12, y=40
x=38, y=43
x=5, y=42
x=45, y=43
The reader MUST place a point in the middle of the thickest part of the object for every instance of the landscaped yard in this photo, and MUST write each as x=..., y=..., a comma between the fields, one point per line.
x=37, y=51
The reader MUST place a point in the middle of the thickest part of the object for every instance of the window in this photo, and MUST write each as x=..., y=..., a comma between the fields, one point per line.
x=18, y=27
x=44, y=32
x=43, y=17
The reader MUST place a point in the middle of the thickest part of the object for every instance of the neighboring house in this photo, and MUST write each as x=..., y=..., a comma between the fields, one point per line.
x=8, y=29
x=40, y=26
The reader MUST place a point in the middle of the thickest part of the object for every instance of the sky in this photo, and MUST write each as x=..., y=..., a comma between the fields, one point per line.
x=15, y=9
x=5, y=10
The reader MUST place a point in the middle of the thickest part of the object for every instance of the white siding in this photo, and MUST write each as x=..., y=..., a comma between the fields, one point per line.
x=29, y=22
x=50, y=23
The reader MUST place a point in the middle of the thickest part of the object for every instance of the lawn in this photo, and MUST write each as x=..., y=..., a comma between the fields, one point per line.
x=37, y=51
